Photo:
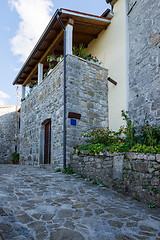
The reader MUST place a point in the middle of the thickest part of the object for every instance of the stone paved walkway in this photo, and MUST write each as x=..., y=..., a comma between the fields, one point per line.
x=36, y=203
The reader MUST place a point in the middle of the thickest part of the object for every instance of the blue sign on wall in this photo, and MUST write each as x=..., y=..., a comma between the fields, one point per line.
x=73, y=122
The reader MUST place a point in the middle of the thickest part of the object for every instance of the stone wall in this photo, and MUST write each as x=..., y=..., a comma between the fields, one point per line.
x=45, y=102
x=9, y=128
x=144, y=60
x=134, y=174
x=86, y=94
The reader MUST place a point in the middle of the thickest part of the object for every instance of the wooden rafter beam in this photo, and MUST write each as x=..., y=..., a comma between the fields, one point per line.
x=112, y=81
x=35, y=59
x=76, y=22
x=43, y=56
x=86, y=34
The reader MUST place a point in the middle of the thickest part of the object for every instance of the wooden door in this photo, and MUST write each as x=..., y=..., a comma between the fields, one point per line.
x=47, y=143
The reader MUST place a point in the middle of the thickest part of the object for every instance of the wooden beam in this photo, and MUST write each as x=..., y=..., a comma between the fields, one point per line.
x=41, y=51
x=35, y=59
x=76, y=22
x=86, y=34
x=43, y=56
x=112, y=81
x=71, y=21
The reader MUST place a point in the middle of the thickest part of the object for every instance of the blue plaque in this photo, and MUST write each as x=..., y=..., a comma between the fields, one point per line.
x=73, y=122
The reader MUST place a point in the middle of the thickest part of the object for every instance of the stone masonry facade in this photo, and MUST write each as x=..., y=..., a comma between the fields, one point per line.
x=134, y=174
x=9, y=129
x=86, y=94
x=144, y=60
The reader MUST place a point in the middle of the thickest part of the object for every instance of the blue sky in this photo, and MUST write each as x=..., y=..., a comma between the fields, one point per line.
x=21, y=24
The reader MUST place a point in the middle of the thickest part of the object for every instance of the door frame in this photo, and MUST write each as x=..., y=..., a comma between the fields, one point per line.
x=47, y=143
x=42, y=141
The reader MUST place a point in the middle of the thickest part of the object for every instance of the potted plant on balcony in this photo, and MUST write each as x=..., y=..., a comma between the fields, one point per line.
x=52, y=61
x=92, y=59
x=32, y=84
x=51, y=58
x=79, y=51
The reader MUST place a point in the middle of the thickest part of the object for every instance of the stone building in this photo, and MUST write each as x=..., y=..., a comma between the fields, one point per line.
x=144, y=60
x=9, y=131
x=79, y=95
x=41, y=135
x=70, y=99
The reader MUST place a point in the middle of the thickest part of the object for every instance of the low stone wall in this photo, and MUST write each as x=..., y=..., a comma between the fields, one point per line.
x=134, y=174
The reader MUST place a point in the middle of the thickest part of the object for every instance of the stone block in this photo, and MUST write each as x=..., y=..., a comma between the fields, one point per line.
x=157, y=167
x=155, y=181
x=90, y=105
x=118, y=166
x=85, y=152
x=85, y=78
x=140, y=166
x=142, y=156
x=90, y=93
x=131, y=155
x=98, y=76
x=158, y=158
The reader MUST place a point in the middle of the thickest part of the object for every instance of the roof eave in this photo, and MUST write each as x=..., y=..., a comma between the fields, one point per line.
x=112, y=2
x=53, y=20
x=49, y=26
x=88, y=16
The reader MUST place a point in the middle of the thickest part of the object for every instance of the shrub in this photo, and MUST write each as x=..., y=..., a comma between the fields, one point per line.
x=15, y=158
x=132, y=137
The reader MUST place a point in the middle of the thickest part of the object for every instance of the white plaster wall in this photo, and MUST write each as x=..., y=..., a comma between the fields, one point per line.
x=110, y=48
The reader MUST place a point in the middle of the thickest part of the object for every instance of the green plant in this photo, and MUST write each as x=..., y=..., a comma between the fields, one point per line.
x=103, y=136
x=128, y=138
x=79, y=51
x=77, y=175
x=130, y=130
x=51, y=66
x=31, y=84
x=136, y=198
x=151, y=205
x=87, y=179
x=154, y=190
x=60, y=58
x=68, y=170
x=23, y=99
x=51, y=58
x=15, y=158
x=92, y=148
x=145, y=149
x=57, y=170
x=91, y=58
x=52, y=61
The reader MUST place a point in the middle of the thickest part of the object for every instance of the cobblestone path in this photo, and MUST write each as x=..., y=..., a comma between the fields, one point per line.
x=36, y=203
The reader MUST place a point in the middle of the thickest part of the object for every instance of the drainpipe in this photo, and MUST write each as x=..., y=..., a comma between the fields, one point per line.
x=64, y=95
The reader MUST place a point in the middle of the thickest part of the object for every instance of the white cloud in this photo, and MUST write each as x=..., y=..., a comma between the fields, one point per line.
x=34, y=17
x=3, y=97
